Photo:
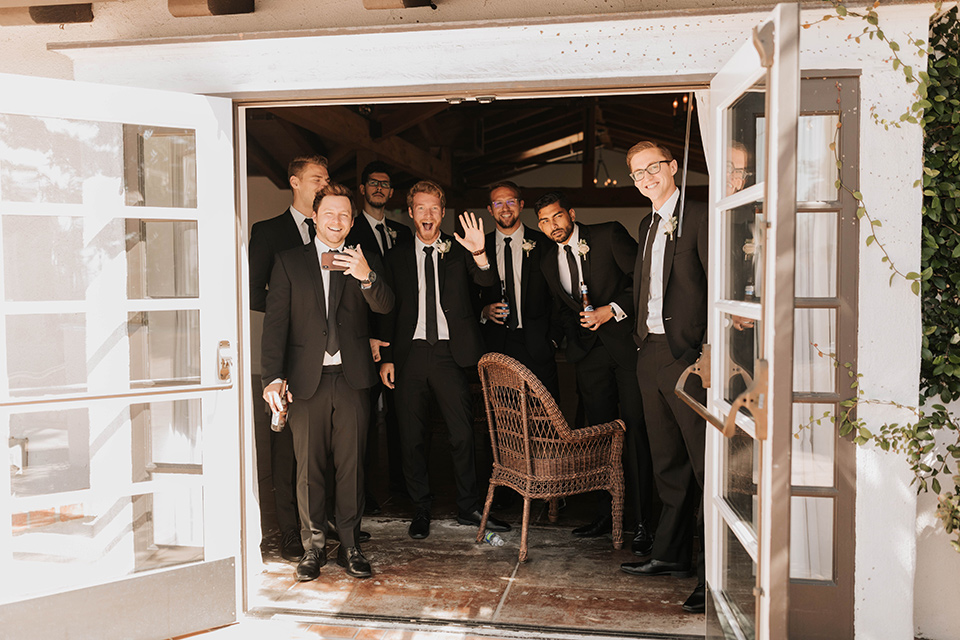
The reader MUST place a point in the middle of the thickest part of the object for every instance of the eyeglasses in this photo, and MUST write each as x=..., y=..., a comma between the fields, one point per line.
x=653, y=170
x=374, y=184
x=498, y=204
x=735, y=173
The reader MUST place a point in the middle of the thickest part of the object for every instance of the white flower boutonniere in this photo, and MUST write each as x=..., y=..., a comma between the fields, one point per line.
x=583, y=248
x=669, y=226
x=392, y=232
x=443, y=246
x=528, y=246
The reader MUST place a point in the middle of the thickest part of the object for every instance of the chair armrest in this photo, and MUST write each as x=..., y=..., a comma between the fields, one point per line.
x=596, y=431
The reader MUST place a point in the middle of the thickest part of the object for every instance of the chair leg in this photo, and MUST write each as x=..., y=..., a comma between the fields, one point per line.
x=617, y=509
x=486, y=512
x=554, y=513
x=524, y=529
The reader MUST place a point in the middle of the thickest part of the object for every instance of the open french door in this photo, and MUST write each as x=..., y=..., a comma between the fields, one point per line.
x=749, y=359
x=120, y=516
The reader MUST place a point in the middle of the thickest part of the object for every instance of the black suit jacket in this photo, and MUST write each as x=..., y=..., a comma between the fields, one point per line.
x=608, y=273
x=267, y=239
x=455, y=271
x=536, y=305
x=684, y=283
x=295, y=326
x=363, y=235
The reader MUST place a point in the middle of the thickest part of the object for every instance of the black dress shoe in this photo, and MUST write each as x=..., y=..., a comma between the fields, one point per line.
x=599, y=527
x=291, y=549
x=353, y=560
x=310, y=563
x=473, y=518
x=371, y=507
x=333, y=534
x=642, y=544
x=697, y=602
x=657, y=568
x=420, y=526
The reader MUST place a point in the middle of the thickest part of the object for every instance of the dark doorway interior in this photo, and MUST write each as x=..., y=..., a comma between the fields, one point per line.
x=576, y=145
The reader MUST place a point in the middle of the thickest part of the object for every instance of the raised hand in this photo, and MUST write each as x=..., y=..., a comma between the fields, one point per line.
x=472, y=239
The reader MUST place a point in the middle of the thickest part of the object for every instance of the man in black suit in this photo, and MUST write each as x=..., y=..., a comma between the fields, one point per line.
x=432, y=335
x=292, y=228
x=516, y=318
x=670, y=300
x=315, y=336
x=376, y=235
x=597, y=261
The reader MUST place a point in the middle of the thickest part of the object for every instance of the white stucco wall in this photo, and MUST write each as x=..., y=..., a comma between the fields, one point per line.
x=613, y=51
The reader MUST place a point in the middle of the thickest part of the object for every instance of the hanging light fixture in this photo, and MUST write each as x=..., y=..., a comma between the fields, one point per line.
x=608, y=181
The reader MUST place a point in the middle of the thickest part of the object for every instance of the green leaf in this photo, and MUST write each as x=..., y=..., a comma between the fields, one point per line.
x=915, y=287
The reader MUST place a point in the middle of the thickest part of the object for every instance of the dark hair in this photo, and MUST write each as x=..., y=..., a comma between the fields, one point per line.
x=427, y=186
x=333, y=189
x=298, y=164
x=549, y=198
x=374, y=167
x=506, y=184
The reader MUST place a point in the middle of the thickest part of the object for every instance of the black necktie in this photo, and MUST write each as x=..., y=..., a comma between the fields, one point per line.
x=508, y=280
x=574, y=273
x=333, y=334
x=644, y=298
x=311, y=229
x=430, y=277
x=383, y=238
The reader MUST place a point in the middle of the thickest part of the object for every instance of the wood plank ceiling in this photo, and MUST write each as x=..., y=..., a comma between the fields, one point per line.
x=465, y=147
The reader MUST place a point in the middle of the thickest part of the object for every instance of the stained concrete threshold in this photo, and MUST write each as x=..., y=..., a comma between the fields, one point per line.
x=449, y=584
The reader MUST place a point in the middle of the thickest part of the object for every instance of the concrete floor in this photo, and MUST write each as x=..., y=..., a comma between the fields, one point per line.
x=568, y=585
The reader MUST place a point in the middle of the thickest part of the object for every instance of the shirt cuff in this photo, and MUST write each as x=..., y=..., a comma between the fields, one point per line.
x=618, y=313
x=484, y=267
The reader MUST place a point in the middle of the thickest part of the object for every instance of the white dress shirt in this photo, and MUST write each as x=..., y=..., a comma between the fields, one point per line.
x=655, y=303
x=516, y=250
x=325, y=274
x=302, y=227
x=443, y=330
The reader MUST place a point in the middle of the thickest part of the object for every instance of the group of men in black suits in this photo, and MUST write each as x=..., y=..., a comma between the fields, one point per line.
x=646, y=324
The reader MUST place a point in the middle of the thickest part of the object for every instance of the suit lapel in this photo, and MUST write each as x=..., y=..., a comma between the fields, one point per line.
x=525, y=266
x=639, y=275
x=439, y=262
x=312, y=261
x=669, y=249
x=584, y=259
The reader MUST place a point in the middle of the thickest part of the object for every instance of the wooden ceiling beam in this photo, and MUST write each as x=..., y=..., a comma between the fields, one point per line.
x=197, y=8
x=266, y=164
x=407, y=117
x=345, y=126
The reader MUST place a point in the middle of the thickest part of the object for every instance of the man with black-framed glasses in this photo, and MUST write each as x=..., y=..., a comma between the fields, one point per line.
x=376, y=234
x=517, y=314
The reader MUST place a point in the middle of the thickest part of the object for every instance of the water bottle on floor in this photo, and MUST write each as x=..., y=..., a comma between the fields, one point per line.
x=493, y=539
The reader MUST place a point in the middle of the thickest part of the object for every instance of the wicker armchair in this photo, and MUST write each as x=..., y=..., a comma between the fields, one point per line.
x=536, y=454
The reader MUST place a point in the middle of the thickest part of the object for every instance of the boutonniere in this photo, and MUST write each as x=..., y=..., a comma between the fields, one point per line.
x=583, y=248
x=669, y=226
x=443, y=246
x=392, y=232
x=355, y=247
x=528, y=246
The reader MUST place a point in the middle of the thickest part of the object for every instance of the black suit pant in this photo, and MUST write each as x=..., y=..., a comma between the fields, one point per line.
x=330, y=426
x=677, y=442
x=283, y=471
x=610, y=391
x=515, y=346
x=433, y=367
x=392, y=431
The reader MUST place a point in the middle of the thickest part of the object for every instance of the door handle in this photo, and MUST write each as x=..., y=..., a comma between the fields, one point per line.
x=225, y=357
x=753, y=398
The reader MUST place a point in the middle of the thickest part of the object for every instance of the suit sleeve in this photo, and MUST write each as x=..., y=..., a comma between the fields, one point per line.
x=385, y=325
x=481, y=277
x=379, y=296
x=261, y=263
x=276, y=326
x=625, y=254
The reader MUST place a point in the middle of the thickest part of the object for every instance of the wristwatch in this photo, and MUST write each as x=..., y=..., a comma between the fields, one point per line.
x=369, y=280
